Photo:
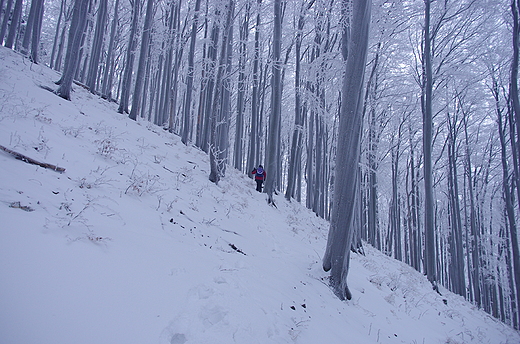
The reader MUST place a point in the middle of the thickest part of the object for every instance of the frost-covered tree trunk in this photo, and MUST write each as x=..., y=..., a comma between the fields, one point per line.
x=141, y=66
x=515, y=7
x=211, y=67
x=165, y=97
x=36, y=32
x=2, y=11
x=13, y=27
x=473, y=226
x=225, y=109
x=178, y=46
x=5, y=20
x=371, y=205
x=238, y=157
x=429, y=206
x=355, y=44
x=129, y=61
x=77, y=27
x=456, y=266
x=31, y=18
x=189, y=77
x=296, y=145
x=276, y=104
x=97, y=46
x=395, y=203
x=32, y=30
x=108, y=73
x=200, y=133
x=254, y=139
x=216, y=108
x=174, y=111
x=146, y=85
x=515, y=101
x=57, y=33
x=509, y=206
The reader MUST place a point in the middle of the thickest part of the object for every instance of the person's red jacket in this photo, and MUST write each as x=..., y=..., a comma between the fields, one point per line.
x=259, y=176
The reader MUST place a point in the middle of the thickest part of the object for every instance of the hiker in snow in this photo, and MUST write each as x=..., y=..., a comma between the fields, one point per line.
x=259, y=177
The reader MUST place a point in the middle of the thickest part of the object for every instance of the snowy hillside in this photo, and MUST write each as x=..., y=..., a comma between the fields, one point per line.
x=133, y=244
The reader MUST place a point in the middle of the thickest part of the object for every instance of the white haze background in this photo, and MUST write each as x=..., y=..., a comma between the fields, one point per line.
x=133, y=244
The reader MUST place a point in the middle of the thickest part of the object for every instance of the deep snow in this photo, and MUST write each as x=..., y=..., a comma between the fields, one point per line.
x=133, y=244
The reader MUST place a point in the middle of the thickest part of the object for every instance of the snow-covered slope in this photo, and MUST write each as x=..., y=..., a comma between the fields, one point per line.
x=133, y=244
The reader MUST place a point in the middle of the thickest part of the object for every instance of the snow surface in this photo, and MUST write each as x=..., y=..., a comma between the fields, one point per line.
x=133, y=244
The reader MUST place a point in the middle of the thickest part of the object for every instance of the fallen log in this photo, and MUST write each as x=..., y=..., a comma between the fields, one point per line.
x=28, y=160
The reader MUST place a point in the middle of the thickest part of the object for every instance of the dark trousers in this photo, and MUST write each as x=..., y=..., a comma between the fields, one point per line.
x=259, y=185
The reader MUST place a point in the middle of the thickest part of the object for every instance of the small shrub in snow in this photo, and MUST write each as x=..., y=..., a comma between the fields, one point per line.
x=40, y=117
x=143, y=183
x=90, y=237
x=106, y=147
x=93, y=180
x=72, y=131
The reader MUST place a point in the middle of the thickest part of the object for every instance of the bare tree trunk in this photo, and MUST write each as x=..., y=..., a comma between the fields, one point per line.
x=130, y=56
x=201, y=140
x=97, y=46
x=190, y=75
x=456, y=266
x=295, y=157
x=36, y=33
x=276, y=104
x=210, y=86
x=77, y=27
x=57, y=34
x=429, y=206
x=59, y=55
x=108, y=74
x=31, y=18
x=514, y=83
x=510, y=211
x=13, y=28
x=341, y=232
x=5, y=20
x=141, y=66
x=254, y=139
x=225, y=109
x=238, y=157
x=216, y=173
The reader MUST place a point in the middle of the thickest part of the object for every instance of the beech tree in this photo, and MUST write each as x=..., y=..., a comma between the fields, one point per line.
x=215, y=110
x=5, y=19
x=355, y=44
x=143, y=55
x=97, y=45
x=77, y=26
x=33, y=30
x=13, y=27
x=130, y=57
x=276, y=104
x=190, y=75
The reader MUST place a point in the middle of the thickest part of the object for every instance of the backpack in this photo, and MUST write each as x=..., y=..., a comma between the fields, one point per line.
x=260, y=172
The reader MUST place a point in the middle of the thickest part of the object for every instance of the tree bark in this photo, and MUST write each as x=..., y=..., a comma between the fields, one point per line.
x=337, y=255
x=108, y=73
x=141, y=66
x=130, y=56
x=97, y=46
x=77, y=27
x=189, y=77
x=254, y=139
x=429, y=206
x=13, y=28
